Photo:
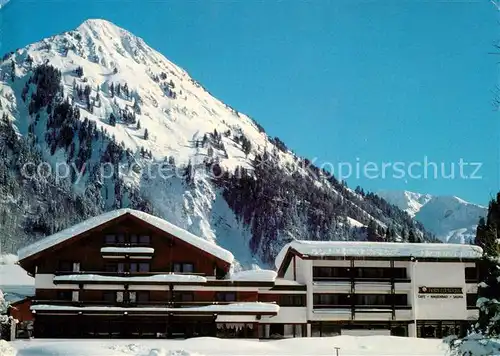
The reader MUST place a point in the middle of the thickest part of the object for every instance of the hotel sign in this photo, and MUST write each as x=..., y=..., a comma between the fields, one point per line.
x=440, y=292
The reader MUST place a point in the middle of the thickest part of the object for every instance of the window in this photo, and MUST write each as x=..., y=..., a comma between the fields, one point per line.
x=75, y=296
x=187, y=268
x=143, y=297
x=374, y=299
x=139, y=267
x=471, y=300
x=183, y=267
x=331, y=272
x=144, y=240
x=65, y=266
x=371, y=272
x=331, y=300
x=143, y=267
x=399, y=273
x=330, y=329
x=110, y=239
x=292, y=300
x=132, y=297
x=109, y=297
x=225, y=297
x=370, y=299
x=471, y=274
x=115, y=267
x=76, y=266
x=183, y=297
x=134, y=239
x=65, y=295
x=381, y=273
x=400, y=299
x=119, y=297
x=325, y=329
x=134, y=267
x=276, y=330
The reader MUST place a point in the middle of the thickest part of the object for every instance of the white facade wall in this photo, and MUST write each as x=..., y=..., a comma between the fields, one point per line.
x=287, y=315
x=428, y=307
x=440, y=274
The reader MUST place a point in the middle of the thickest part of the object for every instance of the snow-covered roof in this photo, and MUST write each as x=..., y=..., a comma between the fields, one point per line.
x=170, y=277
x=379, y=249
x=127, y=250
x=254, y=275
x=248, y=307
x=94, y=222
x=287, y=282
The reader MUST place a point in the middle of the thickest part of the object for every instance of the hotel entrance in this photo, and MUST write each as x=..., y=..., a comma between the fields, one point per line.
x=437, y=329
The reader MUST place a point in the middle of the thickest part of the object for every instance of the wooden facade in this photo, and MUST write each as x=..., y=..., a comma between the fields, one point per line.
x=128, y=247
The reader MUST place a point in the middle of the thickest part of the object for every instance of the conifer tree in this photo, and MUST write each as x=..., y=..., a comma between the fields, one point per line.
x=146, y=134
x=412, y=237
x=487, y=236
x=371, y=231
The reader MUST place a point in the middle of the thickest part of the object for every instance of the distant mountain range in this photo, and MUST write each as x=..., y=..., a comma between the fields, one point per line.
x=450, y=218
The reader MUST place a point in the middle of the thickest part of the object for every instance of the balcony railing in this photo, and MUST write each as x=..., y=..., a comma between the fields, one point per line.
x=361, y=279
x=124, y=274
x=359, y=307
x=126, y=244
x=160, y=304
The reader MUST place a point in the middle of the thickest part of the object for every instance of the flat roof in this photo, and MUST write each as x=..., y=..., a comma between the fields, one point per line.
x=320, y=249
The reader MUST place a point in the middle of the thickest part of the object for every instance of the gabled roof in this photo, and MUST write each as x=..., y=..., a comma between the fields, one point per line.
x=95, y=222
x=320, y=249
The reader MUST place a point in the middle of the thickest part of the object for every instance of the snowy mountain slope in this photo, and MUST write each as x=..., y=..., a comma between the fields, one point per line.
x=103, y=101
x=450, y=218
x=3, y=3
x=408, y=201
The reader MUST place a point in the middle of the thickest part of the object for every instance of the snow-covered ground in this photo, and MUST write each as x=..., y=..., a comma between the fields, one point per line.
x=348, y=345
x=14, y=281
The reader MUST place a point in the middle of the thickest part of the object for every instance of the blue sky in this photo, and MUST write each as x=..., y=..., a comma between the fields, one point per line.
x=340, y=81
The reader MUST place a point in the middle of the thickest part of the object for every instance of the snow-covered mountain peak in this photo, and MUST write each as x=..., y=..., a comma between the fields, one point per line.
x=450, y=218
x=98, y=25
x=166, y=100
x=410, y=202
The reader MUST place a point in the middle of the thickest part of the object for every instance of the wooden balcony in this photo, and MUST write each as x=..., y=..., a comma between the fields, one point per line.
x=127, y=252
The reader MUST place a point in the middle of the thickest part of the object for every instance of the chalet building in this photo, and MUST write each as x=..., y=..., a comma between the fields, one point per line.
x=129, y=274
